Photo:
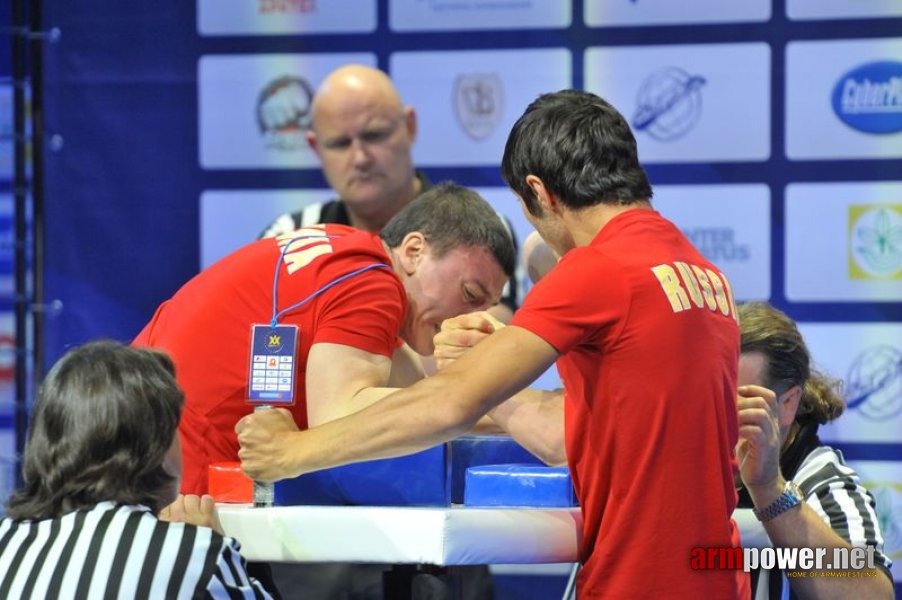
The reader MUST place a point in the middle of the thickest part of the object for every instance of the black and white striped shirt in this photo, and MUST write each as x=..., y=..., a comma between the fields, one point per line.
x=115, y=551
x=835, y=492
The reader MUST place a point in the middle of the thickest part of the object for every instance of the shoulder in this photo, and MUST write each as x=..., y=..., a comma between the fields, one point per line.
x=823, y=466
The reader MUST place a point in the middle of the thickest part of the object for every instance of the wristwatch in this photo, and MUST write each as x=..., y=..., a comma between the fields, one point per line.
x=791, y=496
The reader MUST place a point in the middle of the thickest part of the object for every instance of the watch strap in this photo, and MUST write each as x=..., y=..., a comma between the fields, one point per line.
x=791, y=497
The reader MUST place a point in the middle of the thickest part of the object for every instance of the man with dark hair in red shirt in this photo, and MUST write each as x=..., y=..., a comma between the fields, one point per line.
x=643, y=329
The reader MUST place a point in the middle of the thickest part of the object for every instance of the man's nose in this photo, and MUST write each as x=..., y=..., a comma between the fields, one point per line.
x=360, y=153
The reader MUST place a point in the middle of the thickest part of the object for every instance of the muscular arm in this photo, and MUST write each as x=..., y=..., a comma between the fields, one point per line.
x=342, y=380
x=535, y=418
x=799, y=527
x=432, y=411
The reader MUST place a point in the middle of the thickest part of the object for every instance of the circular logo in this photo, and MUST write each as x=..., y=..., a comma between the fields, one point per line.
x=874, y=383
x=669, y=104
x=283, y=112
x=876, y=241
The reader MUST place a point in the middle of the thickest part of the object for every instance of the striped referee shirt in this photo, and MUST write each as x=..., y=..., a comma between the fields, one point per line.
x=115, y=551
x=834, y=491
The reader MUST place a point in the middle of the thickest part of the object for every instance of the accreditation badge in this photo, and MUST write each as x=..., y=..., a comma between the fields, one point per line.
x=271, y=376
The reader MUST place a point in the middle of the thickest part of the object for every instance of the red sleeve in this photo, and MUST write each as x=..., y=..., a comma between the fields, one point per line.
x=365, y=311
x=567, y=307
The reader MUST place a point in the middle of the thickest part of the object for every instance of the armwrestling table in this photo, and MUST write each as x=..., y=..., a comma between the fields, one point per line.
x=427, y=538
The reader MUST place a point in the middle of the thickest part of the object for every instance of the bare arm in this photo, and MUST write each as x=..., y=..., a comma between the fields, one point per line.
x=432, y=411
x=538, y=257
x=342, y=380
x=759, y=454
x=535, y=418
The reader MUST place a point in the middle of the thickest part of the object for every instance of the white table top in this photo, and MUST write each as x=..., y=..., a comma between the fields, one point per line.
x=404, y=535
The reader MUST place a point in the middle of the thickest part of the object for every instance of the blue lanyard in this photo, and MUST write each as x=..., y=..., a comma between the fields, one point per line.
x=275, y=281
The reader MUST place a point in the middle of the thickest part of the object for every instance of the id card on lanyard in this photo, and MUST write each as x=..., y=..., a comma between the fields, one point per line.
x=273, y=364
x=272, y=373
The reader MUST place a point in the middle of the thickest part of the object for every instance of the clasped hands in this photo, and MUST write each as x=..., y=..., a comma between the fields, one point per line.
x=265, y=437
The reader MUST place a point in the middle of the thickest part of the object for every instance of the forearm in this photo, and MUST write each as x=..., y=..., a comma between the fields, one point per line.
x=802, y=527
x=402, y=423
x=487, y=426
x=535, y=419
x=433, y=411
x=338, y=408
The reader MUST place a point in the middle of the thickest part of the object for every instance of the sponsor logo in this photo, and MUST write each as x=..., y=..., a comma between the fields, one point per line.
x=875, y=241
x=874, y=383
x=478, y=103
x=718, y=244
x=869, y=97
x=669, y=104
x=266, y=7
x=283, y=113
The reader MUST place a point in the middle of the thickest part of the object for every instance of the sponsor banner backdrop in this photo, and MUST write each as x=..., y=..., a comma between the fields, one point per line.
x=468, y=101
x=842, y=9
x=607, y=13
x=843, y=242
x=681, y=99
x=884, y=480
x=844, y=99
x=278, y=17
x=867, y=357
x=438, y=15
x=253, y=110
x=730, y=225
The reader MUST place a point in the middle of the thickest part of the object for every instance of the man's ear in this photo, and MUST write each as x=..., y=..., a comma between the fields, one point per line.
x=411, y=251
x=410, y=123
x=312, y=141
x=788, y=405
x=545, y=197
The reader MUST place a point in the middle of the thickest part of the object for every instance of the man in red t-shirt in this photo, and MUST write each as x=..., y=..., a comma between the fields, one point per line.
x=644, y=333
x=443, y=255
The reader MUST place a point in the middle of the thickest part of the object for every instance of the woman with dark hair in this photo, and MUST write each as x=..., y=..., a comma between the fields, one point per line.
x=102, y=460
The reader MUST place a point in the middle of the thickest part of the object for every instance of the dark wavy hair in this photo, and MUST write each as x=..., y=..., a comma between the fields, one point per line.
x=580, y=147
x=104, y=418
x=771, y=332
x=450, y=216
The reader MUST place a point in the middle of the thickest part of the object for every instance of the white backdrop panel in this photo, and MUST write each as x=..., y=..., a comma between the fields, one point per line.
x=687, y=103
x=840, y=244
x=814, y=129
x=468, y=101
x=253, y=109
x=607, y=13
x=868, y=358
x=842, y=9
x=440, y=15
x=278, y=17
x=730, y=225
